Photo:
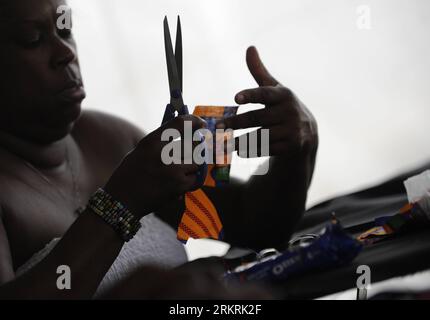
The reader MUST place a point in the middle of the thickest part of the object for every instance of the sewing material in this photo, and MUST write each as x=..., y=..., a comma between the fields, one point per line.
x=417, y=187
x=413, y=215
x=219, y=169
x=200, y=219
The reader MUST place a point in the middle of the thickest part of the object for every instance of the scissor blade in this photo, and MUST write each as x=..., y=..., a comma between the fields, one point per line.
x=178, y=51
x=172, y=70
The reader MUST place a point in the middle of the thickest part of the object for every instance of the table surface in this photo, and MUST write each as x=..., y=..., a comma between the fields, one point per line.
x=397, y=256
x=400, y=256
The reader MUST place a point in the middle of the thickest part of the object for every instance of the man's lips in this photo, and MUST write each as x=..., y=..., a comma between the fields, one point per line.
x=73, y=92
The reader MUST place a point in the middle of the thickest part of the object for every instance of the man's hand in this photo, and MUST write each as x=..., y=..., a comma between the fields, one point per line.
x=144, y=183
x=292, y=127
x=264, y=211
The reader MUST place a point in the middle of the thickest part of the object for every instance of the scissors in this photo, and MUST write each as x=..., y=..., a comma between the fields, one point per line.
x=174, y=70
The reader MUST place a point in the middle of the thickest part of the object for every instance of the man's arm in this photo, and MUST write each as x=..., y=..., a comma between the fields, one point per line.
x=264, y=211
x=78, y=248
x=88, y=257
x=91, y=245
x=6, y=269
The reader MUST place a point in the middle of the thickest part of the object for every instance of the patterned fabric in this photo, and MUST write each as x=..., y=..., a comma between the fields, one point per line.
x=200, y=219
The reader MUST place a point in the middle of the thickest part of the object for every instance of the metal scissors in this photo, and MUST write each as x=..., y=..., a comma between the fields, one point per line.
x=174, y=70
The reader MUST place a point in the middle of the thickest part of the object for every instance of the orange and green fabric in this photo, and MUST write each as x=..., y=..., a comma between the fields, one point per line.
x=201, y=219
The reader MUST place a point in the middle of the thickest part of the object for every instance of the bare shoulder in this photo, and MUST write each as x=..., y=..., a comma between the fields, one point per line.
x=99, y=128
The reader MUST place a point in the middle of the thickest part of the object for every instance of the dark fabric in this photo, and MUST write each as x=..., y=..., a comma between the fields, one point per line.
x=397, y=256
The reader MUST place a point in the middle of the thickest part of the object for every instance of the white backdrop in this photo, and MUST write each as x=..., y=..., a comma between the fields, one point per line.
x=369, y=89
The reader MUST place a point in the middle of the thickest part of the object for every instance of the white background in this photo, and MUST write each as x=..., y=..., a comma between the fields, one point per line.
x=368, y=89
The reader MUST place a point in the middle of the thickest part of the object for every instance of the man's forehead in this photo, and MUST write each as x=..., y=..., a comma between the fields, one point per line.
x=29, y=9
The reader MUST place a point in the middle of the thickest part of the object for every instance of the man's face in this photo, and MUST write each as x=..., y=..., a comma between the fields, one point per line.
x=40, y=86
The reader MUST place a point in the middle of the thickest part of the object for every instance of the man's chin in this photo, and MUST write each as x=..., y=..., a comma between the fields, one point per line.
x=62, y=119
x=58, y=126
x=52, y=134
x=45, y=128
x=65, y=115
x=61, y=132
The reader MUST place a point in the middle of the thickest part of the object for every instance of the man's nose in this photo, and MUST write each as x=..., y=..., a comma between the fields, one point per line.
x=63, y=54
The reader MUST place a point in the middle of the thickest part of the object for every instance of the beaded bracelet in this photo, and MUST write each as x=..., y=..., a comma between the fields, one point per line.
x=115, y=214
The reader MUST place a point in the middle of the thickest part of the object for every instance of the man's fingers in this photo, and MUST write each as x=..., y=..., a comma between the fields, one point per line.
x=251, y=119
x=253, y=146
x=190, y=182
x=176, y=128
x=263, y=95
x=184, y=151
x=190, y=169
x=180, y=181
x=181, y=122
x=257, y=68
x=278, y=139
x=258, y=150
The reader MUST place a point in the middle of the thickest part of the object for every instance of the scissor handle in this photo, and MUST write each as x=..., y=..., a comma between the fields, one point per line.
x=169, y=115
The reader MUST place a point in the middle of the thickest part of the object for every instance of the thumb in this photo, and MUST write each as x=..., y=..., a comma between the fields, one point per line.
x=258, y=70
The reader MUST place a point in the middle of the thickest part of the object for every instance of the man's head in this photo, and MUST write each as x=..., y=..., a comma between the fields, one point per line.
x=40, y=86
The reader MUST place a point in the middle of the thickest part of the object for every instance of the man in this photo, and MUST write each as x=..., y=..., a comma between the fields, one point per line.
x=53, y=157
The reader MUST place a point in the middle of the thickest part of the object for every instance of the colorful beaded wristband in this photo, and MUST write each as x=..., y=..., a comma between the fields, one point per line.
x=115, y=214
